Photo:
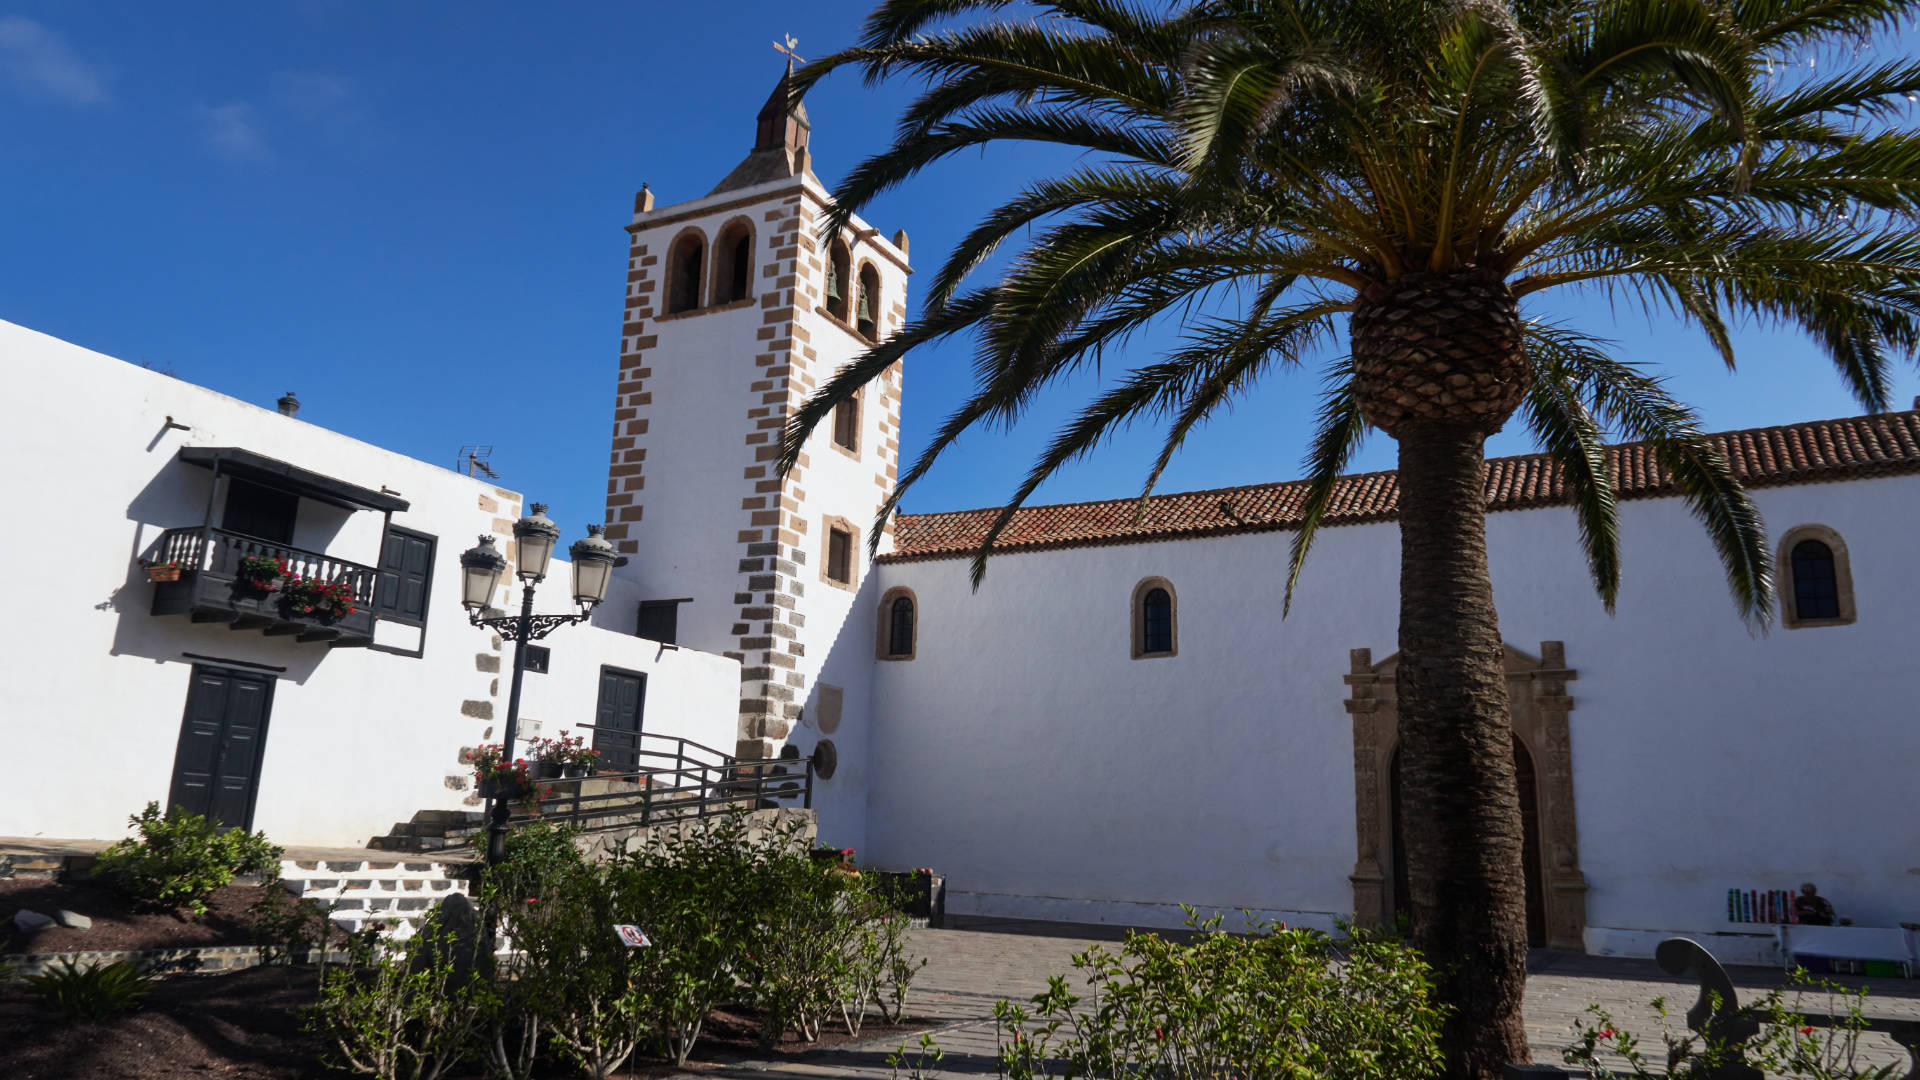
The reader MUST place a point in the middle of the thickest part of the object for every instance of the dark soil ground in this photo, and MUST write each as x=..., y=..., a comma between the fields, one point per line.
x=247, y=1025
x=117, y=924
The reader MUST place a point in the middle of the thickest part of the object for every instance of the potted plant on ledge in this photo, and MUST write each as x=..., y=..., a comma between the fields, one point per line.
x=259, y=573
x=494, y=777
x=567, y=756
x=163, y=571
x=310, y=596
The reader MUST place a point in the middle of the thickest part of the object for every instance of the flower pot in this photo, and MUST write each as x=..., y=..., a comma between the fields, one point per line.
x=574, y=771
x=548, y=770
x=503, y=789
x=163, y=573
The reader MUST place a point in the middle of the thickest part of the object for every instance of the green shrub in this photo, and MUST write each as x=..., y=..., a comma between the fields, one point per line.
x=98, y=992
x=1786, y=1046
x=541, y=859
x=735, y=911
x=181, y=858
x=287, y=929
x=692, y=890
x=537, y=854
x=403, y=1011
x=578, y=976
x=1272, y=1004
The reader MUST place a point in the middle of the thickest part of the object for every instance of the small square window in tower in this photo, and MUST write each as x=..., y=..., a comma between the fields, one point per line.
x=840, y=555
x=846, y=424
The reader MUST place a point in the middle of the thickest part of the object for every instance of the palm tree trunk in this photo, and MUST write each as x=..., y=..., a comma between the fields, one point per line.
x=1462, y=812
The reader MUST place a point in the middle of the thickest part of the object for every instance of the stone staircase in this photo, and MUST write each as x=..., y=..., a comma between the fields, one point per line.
x=389, y=893
x=432, y=830
x=449, y=830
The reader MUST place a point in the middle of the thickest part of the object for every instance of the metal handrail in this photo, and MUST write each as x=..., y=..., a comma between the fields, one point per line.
x=740, y=784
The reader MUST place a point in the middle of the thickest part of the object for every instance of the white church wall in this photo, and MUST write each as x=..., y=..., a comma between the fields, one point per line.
x=357, y=739
x=1026, y=755
x=1706, y=758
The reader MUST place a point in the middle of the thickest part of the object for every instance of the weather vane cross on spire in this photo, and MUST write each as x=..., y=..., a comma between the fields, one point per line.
x=792, y=43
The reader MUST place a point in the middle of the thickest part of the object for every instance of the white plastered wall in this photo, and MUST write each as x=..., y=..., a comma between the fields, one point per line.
x=358, y=738
x=1027, y=756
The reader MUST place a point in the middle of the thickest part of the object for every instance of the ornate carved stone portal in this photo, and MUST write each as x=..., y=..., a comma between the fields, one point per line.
x=1538, y=687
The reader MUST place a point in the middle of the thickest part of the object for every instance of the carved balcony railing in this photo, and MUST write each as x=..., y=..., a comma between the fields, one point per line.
x=212, y=588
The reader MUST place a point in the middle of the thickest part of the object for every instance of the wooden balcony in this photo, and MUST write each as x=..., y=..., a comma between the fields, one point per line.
x=211, y=588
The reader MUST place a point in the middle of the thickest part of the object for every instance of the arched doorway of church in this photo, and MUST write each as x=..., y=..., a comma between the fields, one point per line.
x=1530, y=843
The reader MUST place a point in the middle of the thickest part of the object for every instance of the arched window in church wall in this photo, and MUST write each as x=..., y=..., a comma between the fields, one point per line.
x=686, y=260
x=866, y=316
x=1156, y=625
x=733, y=262
x=899, y=624
x=839, y=281
x=1815, y=578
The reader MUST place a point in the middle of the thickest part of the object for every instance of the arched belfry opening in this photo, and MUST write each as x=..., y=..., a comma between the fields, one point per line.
x=1543, y=767
x=733, y=262
x=839, y=291
x=686, y=262
x=866, y=311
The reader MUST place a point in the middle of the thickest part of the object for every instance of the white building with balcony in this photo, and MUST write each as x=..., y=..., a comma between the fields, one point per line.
x=149, y=669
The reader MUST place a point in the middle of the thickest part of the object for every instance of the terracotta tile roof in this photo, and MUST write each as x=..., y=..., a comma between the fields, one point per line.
x=1853, y=448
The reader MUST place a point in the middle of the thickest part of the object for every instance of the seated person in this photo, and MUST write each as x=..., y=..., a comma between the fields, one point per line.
x=1811, y=908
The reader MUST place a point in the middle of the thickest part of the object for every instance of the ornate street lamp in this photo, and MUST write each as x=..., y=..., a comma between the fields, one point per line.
x=482, y=567
x=593, y=558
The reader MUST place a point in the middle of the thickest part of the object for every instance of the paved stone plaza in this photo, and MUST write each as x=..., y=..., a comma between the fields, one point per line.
x=980, y=961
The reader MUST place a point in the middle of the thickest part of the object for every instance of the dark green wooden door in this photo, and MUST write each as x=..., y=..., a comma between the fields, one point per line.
x=216, y=770
x=616, y=723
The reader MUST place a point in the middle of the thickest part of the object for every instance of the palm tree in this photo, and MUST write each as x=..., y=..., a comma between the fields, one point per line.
x=1263, y=168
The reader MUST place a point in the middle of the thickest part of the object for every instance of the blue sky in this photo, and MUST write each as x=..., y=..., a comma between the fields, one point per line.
x=412, y=216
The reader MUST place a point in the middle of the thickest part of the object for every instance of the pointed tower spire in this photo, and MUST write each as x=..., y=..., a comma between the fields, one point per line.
x=779, y=137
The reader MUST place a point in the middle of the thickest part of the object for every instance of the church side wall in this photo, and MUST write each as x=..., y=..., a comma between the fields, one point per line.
x=357, y=739
x=1706, y=758
x=1024, y=753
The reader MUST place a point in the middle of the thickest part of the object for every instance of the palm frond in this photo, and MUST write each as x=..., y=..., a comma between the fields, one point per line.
x=1639, y=405
x=1338, y=435
x=1570, y=436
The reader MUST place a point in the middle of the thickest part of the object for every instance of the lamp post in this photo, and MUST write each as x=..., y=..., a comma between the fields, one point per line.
x=482, y=567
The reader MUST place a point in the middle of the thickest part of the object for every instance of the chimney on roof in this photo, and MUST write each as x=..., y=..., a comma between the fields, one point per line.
x=289, y=405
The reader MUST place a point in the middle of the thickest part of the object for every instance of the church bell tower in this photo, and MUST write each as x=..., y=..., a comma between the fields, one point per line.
x=736, y=309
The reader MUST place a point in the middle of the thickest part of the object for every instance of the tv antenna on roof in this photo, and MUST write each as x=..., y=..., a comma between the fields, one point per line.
x=474, y=459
